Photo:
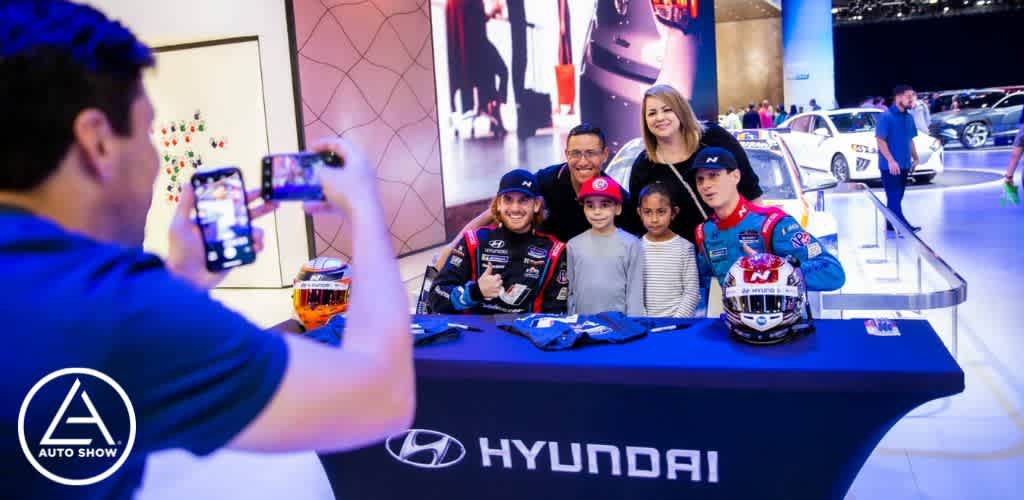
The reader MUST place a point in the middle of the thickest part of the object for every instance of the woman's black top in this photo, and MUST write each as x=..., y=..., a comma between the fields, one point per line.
x=646, y=172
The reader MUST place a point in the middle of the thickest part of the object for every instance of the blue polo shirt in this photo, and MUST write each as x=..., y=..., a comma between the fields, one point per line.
x=898, y=130
x=195, y=372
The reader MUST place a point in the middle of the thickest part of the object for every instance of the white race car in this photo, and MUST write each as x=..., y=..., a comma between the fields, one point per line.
x=784, y=185
x=843, y=143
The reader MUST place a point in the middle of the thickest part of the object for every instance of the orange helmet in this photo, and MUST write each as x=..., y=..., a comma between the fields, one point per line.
x=320, y=291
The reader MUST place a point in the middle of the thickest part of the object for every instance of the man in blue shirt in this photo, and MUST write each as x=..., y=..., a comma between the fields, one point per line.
x=80, y=293
x=897, y=157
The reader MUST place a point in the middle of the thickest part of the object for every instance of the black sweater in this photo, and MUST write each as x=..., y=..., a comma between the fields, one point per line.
x=646, y=172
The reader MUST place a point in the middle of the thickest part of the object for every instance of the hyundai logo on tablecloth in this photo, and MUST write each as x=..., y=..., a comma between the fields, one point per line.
x=425, y=448
x=434, y=450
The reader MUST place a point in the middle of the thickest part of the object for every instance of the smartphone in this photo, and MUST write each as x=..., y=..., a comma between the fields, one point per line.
x=223, y=217
x=295, y=176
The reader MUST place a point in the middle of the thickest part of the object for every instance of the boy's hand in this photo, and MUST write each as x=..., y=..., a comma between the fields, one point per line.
x=489, y=283
x=747, y=250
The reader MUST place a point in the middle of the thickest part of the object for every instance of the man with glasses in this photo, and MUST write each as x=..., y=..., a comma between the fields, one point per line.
x=585, y=154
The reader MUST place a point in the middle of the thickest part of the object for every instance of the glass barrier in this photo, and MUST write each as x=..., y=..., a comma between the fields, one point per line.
x=889, y=274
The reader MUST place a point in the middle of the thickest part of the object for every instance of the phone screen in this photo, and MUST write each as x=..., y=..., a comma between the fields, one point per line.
x=223, y=218
x=292, y=176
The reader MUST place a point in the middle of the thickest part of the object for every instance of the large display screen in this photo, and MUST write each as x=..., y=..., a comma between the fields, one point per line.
x=514, y=76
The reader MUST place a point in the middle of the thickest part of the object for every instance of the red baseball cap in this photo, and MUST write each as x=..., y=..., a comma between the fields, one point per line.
x=601, y=186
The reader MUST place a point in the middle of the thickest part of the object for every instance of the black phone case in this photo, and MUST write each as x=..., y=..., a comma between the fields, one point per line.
x=218, y=265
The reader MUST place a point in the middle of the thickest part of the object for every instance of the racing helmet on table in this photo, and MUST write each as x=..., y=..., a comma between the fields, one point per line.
x=764, y=298
x=320, y=290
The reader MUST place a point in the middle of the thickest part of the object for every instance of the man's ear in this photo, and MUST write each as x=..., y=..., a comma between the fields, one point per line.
x=93, y=135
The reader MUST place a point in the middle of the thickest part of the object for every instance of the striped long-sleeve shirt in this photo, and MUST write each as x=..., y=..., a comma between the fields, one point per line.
x=671, y=286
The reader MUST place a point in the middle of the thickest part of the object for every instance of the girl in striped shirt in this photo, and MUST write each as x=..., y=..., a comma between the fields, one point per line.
x=670, y=268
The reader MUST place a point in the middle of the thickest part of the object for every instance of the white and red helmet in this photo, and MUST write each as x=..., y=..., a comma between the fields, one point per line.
x=764, y=299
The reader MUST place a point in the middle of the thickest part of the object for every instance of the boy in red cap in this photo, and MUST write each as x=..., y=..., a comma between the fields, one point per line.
x=605, y=263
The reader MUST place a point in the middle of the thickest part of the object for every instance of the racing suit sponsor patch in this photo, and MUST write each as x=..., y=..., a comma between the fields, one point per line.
x=813, y=250
x=749, y=236
x=563, y=277
x=532, y=272
x=496, y=243
x=718, y=253
x=790, y=228
x=563, y=293
x=533, y=262
x=501, y=259
x=536, y=253
x=800, y=239
x=455, y=260
x=458, y=251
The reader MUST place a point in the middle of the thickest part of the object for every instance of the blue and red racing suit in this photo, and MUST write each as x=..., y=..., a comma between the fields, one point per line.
x=532, y=268
x=765, y=230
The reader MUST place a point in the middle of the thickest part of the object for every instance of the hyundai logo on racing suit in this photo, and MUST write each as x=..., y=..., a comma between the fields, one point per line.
x=497, y=243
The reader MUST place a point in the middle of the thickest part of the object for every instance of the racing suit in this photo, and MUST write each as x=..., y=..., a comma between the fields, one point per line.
x=719, y=244
x=532, y=268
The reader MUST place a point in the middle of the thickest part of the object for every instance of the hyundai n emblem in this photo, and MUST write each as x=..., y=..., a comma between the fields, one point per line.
x=425, y=448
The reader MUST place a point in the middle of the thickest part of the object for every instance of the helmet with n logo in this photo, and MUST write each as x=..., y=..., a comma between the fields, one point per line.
x=764, y=298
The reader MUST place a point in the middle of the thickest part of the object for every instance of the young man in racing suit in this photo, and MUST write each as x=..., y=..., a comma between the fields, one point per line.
x=508, y=268
x=740, y=227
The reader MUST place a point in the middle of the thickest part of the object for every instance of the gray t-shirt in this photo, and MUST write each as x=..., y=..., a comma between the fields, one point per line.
x=606, y=273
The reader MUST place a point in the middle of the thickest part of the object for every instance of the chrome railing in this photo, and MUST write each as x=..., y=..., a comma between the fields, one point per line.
x=951, y=297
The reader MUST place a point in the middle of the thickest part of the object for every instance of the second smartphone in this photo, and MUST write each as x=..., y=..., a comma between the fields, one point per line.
x=223, y=218
x=295, y=176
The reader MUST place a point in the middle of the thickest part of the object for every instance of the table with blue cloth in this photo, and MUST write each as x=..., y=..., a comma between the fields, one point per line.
x=690, y=413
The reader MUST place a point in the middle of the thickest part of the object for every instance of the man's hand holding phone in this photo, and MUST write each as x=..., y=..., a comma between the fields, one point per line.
x=349, y=189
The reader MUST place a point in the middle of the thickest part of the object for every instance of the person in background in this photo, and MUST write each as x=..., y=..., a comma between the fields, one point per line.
x=606, y=270
x=732, y=121
x=765, y=114
x=922, y=116
x=792, y=110
x=671, y=285
x=751, y=119
x=780, y=115
x=74, y=197
x=897, y=156
x=1015, y=154
x=814, y=106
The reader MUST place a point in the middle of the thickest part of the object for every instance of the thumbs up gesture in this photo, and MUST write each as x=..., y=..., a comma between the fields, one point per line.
x=489, y=283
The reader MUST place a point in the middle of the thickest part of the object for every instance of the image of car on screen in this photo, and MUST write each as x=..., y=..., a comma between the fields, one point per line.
x=625, y=53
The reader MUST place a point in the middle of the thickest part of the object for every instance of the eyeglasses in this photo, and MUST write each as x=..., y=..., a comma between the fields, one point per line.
x=577, y=154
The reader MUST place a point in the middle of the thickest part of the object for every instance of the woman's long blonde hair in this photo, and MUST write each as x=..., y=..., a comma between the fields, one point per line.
x=536, y=220
x=689, y=127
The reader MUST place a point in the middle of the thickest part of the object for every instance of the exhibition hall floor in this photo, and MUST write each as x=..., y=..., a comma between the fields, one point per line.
x=970, y=446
